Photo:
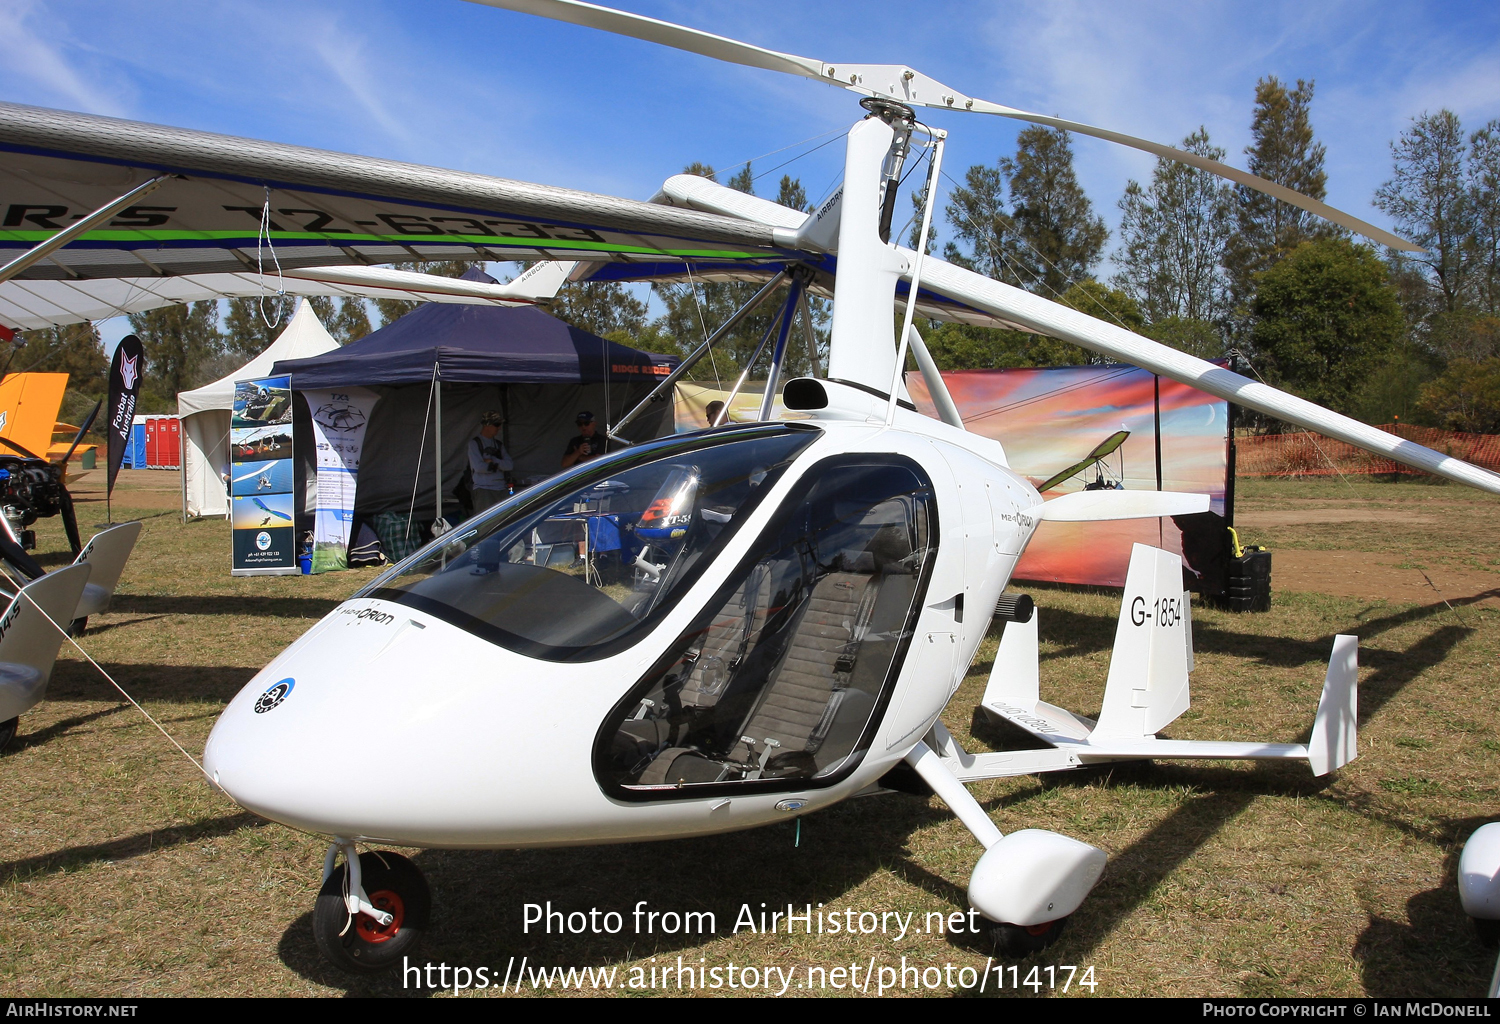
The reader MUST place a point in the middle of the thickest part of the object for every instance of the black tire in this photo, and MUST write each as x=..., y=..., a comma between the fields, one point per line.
x=8, y=731
x=395, y=886
x=1017, y=941
x=1488, y=931
x=77, y=626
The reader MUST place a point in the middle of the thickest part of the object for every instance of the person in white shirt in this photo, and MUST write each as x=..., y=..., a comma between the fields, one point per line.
x=489, y=462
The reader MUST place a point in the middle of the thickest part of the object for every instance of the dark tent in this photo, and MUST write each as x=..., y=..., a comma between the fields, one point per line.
x=538, y=371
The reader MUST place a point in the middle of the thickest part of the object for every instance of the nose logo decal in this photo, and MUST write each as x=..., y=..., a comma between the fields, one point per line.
x=273, y=696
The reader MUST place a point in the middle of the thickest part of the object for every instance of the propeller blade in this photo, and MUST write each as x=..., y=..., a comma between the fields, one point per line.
x=906, y=85
x=70, y=522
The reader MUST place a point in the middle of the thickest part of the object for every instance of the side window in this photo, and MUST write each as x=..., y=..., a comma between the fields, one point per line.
x=781, y=680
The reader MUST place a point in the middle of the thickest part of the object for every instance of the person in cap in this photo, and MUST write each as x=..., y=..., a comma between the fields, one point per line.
x=489, y=462
x=586, y=445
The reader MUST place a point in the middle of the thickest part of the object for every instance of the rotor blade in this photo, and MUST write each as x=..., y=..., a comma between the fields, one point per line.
x=652, y=31
x=907, y=85
x=1037, y=314
x=1223, y=170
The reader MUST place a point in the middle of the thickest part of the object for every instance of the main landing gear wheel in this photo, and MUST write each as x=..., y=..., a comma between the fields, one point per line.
x=8, y=731
x=1487, y=930
x=394, y=885
x=1016, y=941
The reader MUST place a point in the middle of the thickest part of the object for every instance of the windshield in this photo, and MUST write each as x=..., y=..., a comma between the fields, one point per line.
x=572, y=572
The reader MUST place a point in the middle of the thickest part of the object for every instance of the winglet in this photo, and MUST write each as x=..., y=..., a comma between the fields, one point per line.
x=1148, y=669
x=1334, y=742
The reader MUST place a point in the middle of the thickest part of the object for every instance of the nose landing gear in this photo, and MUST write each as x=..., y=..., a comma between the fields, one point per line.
x=368, y=922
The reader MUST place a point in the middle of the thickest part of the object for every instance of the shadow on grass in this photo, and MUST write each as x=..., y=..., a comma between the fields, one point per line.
x=36, y=739
x=207, y=604
x=74, y=857
x=78, y=680
x=1420, y=957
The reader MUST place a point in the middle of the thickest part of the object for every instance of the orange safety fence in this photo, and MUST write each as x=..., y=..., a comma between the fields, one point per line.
x=1309, y=454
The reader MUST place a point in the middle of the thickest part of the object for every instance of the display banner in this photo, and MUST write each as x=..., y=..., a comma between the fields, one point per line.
x=262, y=504
x=1050, y=419
x=339, y=419
x=125, y=372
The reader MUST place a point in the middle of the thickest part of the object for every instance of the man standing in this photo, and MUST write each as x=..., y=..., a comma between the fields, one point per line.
x=488, y=462
x=586, y=445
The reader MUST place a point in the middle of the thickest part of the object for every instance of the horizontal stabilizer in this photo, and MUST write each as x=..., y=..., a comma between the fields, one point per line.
x=1097, y=506
x=1334, y=741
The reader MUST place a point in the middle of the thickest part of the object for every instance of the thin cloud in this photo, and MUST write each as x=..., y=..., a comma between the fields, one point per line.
x=45, y=68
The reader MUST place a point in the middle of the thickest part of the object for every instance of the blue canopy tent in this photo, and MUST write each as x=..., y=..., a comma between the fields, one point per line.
x=442, y=366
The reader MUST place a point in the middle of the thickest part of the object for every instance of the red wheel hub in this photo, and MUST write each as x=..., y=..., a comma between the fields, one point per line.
x=372, y=931
x=1039, y=929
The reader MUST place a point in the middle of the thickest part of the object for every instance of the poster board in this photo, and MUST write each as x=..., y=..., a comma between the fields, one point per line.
x=1048, y=419
x=262, y=480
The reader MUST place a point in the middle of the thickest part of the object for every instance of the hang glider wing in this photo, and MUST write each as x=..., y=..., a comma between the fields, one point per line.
x=325, y=209
x=1103, y=449
x=31, y=304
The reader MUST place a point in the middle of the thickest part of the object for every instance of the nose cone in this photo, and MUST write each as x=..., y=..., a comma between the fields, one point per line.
x=387, y=724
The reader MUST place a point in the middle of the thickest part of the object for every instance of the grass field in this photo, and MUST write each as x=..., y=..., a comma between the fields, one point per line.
x=125, y=874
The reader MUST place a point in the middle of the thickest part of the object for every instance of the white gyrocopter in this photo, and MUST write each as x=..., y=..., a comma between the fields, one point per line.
x=763, y=619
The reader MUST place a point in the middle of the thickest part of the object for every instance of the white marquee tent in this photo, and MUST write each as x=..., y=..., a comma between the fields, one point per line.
x=205, y=413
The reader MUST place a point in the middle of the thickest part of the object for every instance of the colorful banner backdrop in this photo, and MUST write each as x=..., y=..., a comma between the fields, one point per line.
x=262, y=479
x=125, y=371
x=1051, y=419
x=339, y=419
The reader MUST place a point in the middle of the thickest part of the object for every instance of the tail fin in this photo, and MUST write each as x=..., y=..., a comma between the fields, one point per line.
x=1148, y=669
x=106, y=554
x=1334, y=740
x=29, y=643
x=1015, y=678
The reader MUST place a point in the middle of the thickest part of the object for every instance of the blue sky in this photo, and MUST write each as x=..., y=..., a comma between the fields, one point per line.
x=459, y=85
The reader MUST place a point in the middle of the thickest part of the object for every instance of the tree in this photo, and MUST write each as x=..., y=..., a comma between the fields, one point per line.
x=1428, y=200
x=1484, y=205
x=792, y=195
x=976, y=211
x=1173, y=238
x=1466, y=397
x=1325, y=317
x=1285, y=152
x=247, y=330
x=346, y=320
x=178, y=342
x=74, y=349
x=599, y=307
x=1061, y=238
